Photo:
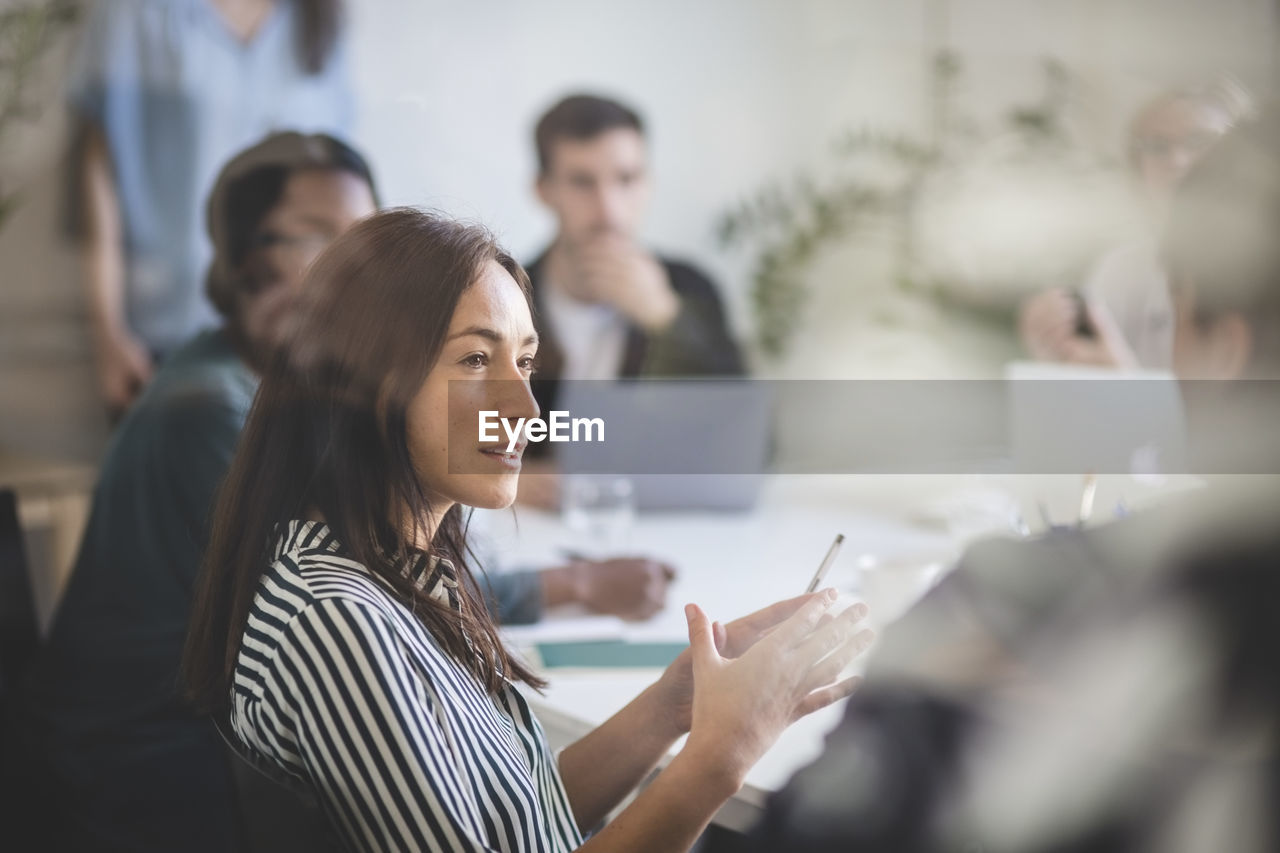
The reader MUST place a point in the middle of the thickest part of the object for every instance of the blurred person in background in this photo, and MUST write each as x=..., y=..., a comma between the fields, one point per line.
x=1124, y=316
x=1104, y=689
x=131, y=767
x=163, y=93
x=607, y=306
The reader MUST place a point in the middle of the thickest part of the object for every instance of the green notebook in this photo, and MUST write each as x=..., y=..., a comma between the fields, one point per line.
x=609, y=653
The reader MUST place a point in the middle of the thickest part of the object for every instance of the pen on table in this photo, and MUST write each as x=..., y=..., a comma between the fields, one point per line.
x=826, y=563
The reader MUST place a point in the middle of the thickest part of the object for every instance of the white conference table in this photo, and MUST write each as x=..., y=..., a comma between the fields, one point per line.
x=734, y=563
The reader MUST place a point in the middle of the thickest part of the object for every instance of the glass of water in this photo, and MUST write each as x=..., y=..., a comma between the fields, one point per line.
x=599, y=510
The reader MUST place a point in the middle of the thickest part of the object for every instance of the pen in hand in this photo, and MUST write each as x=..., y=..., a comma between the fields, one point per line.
x=826, y=563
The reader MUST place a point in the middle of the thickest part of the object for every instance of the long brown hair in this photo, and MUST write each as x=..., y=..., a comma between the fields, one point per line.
x=327, y=433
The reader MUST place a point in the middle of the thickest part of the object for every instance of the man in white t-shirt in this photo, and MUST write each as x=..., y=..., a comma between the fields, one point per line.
x=606, y=306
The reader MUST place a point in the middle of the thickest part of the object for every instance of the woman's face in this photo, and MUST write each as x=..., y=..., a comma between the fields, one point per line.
x=490, y=338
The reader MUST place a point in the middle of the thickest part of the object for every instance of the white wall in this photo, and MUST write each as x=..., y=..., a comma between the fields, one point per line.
x=735, y=92
x=738, y=91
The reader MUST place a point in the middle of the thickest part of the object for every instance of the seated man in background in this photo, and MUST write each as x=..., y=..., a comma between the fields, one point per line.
x=606, y=306
x=1124, y=318
x=1106, y=689
x=133, y=767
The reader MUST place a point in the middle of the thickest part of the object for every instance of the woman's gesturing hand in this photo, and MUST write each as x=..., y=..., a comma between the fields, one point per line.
x=741, y=704
x=732, y=640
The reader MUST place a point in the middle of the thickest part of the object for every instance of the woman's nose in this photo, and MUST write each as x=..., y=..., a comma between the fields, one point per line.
x=514, y=398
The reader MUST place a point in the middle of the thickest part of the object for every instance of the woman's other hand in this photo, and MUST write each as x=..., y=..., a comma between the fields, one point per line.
x=760, y=673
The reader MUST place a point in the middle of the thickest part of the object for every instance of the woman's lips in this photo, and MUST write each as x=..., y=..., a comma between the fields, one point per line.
x=510, y=459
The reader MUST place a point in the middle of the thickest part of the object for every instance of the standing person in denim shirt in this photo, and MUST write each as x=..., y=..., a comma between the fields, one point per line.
x=163, y=92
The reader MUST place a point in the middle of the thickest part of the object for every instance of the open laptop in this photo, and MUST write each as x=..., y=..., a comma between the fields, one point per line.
x=683, y=443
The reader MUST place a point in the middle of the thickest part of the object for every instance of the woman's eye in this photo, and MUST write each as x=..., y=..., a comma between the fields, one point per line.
x=529, y=364
x=476, y=359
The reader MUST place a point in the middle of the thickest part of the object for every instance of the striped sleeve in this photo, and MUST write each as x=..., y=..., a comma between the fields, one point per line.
x=370, y=738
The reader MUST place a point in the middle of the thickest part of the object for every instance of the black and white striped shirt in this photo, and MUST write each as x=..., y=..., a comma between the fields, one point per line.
x=338, y=683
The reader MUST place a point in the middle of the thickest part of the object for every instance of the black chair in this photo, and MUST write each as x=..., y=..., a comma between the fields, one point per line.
x=19, y=634
x=20, y=783
x=278, y=813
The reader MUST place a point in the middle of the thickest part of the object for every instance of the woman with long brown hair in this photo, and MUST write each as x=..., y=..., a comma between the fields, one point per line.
x=337, y=622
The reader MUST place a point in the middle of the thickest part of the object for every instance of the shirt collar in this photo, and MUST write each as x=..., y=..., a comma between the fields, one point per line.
x=436, y=575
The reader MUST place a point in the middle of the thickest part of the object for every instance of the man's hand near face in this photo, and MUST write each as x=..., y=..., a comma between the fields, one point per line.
x=1048, y=325
x=616, y=271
